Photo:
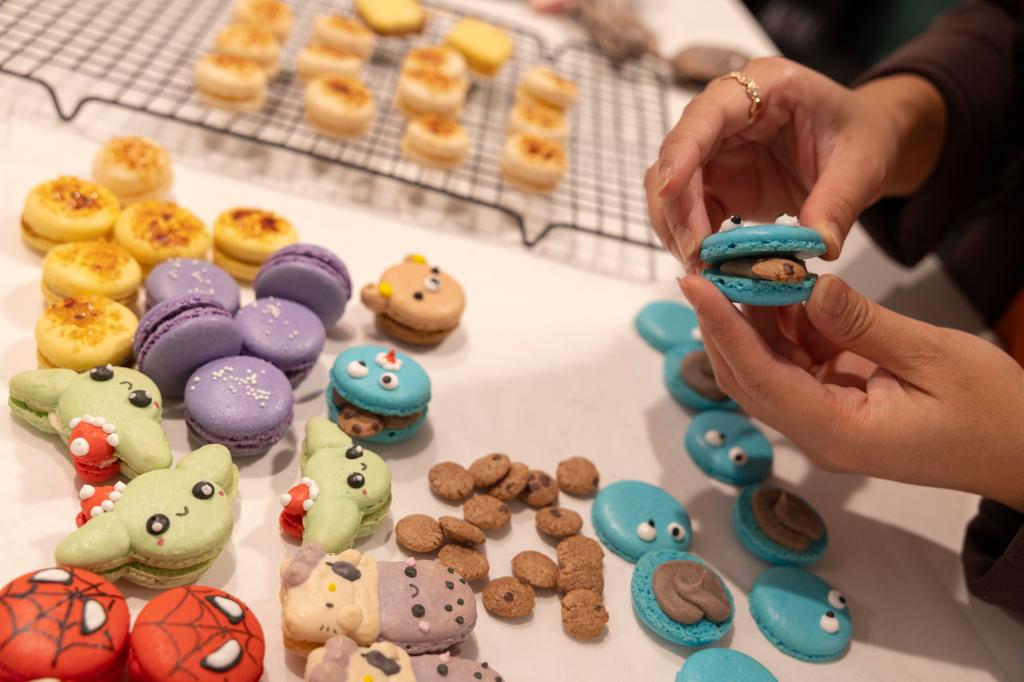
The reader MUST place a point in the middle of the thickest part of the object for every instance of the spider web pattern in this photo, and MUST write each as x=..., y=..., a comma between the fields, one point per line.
x=193, y=618
x=57, y=612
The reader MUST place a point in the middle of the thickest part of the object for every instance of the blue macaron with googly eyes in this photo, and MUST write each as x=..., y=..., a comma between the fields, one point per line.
x=778, y=527
x=728, y=447
x=723, y=665
x=632, y=518
x=666, y=324
x=378, y=394
x=762, y=265
x=689, y=379
x=800, y=614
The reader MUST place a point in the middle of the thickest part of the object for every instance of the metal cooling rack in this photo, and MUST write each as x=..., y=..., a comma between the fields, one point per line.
x=139, y=54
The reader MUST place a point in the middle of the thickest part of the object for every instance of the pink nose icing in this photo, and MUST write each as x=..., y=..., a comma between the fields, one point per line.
x=93, y=442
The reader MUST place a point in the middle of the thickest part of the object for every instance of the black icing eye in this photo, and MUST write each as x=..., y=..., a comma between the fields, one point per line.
x=157, y=524
x=356, y=480
x=140, y=398
x=101, y=373
x=418, y=611
x=435, y=270
x=418, y=295
x=202, y=490
x=354, y=452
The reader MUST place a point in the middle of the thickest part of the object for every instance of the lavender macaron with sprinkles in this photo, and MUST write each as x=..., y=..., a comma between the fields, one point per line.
x=284, y=333
x=241, y=402
x=179, y=277
x=310, y=275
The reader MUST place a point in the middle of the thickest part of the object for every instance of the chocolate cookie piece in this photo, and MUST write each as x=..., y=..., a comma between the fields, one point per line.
x=558, y=522
x=513, y=483
x=577, y=476
x=578, y=551
x=541, y=490
x=786, y=518
x=508, y=598
x=419, y=533
x=486, y=512
x=770, y=269
x=450, y=481
x=688, y=591
x=535, y=569
x=700, y=375
x=469, y=563
x=489, y=469
x=581, y=578
x=463, y=532
x=583, y=614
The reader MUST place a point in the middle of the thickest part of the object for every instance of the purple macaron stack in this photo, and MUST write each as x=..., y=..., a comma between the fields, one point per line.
x=241, y=402
x=284, y=333
x=310, y=275
x=179, y=277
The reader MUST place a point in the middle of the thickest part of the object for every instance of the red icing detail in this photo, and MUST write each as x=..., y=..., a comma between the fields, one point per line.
x=95, y=501
x=160, y=542
x=221, y=493
x=299, y=494
x=391, y=356
x=291, y=525
x=94, y=467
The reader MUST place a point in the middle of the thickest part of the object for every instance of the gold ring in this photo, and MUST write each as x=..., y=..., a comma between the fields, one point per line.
x=753, y=92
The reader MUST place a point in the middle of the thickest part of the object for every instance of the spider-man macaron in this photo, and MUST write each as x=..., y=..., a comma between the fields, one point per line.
x=196, y=633
x=62, y=623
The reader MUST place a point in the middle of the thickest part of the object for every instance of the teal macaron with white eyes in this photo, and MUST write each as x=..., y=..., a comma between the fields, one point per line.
x=778, y=527
x=632, y=518
x=723, y=665
x=762, y=265
x=690, y=379
x=729, y=448
x=667, y=324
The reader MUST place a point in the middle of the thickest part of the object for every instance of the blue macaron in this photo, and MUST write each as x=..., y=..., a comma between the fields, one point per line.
x=728, y=447
x=652, y=595
x=377, y=394
x=800, y=614
x=778, y=527
x=723, y=665
x=685, y=393
x=632, y=518
x=665, y=324
x=757, y=242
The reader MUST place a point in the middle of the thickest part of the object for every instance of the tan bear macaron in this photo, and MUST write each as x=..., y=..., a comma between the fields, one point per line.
x=415, y=302
x=154, y=231
x=134, y=168
x=245, y=237
x=85, y=332
x=232, y=83
x=340, y=106
x=94, y=267
x=67, y=209
x=533, y=164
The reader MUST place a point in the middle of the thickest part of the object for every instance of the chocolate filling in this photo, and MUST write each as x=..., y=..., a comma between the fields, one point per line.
x=688, y=591
x=699, y=375
x=786, y=518
x=775, y=269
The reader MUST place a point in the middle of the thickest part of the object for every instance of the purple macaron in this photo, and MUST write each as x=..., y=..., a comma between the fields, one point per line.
x=310, y=275
x=241, y=402
x=177, y=336
x=284, y=333
x=179, y=277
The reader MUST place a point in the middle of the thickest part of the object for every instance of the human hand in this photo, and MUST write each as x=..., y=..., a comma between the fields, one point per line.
x=862, y=389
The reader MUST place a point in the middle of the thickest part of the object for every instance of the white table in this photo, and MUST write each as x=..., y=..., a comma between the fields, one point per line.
x=545, y=365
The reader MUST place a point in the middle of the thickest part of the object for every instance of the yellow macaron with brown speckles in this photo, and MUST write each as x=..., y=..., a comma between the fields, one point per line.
x=84, y=332
x=245, y=237
x=134, y=168
x=92, y=267
x=155, y=231
x=67, y=209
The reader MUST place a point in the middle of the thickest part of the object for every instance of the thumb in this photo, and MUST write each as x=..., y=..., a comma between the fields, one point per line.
x=840, y=193
x=902, y=345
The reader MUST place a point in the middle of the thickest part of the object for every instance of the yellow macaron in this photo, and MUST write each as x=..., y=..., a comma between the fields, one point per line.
x=134, y=168
x=245, y=237
x=154, y=231
x=67, y=209
x=85, y=332
x=93, y=267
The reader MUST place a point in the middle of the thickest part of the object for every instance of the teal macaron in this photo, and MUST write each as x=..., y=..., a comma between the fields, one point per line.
x=762, y=265
x=666, y=324
x=778, y=527
x=728, y=447
x=697, y=397
x=632, y=518
x=723, y=665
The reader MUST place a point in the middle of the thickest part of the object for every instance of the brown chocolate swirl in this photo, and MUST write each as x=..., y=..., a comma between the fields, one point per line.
x=688, y=591
x=786, y=518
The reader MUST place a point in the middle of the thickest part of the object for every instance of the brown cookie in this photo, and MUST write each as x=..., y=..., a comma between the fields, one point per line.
x=450, y=481
x=419, y=533
x=575, y=578
x=558, y=522
x=700, y=375
x=578, y=551
x=583, y=614
x=535, y=569
x=486, y=512
x=513, y=483
x=540, y=491
x=469, y=563
x=463, y=532
x=489, y=469
x=577, y=476
x=771, y=269
x=508, y=598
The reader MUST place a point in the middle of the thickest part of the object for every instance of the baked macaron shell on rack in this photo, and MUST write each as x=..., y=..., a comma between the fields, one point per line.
x=310, y=275
x=179, y=277
x=286, y=334
x=178, y=336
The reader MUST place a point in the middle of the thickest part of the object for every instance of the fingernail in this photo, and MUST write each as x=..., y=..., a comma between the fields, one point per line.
x=664, y=176
x=687, y=290
x=832, y=297
x=687, y=244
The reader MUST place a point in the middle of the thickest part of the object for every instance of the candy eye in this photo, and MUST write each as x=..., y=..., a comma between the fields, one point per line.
x=677, y=532
x=418, y=295
x=738, y=457
x=786, y=219
x=388, y=381
x=646, y=531
x=354, y=452
x=836, y=599
x=432, y=283
x=101, y=373
x=714, y=438
x=829, y=623
x=202, y=490
x=435, y=270
x=157, y=524
x=355, y=480
x=695, y=335
x=731, y=222
x=357, y=369
x=140, y=398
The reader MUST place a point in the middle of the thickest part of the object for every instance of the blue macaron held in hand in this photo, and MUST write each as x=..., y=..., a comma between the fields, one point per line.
x=728, y=447
x=723, y=665
x=632, y=518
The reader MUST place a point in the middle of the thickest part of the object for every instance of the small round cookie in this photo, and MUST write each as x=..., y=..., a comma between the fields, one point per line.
x=690, y=379
x=508, y=597
x=541, y=490
x=435, y=141
x=244, y=238
x=723, y=665
x=321, y=60
x=231, y=83
x=579, y=552
x=489, y=469
x=681, y=599
x=583, y=614
x=155, y=231
x=632, y=518
x=535, y=569
x=250, y=42
x=667, y=324
x=533, y=164
x=178, y=277
x=134, y=168
x=67, y=209
x=91, y=267
x=428, y=91
x=419, y=533
x=800, y=614
x=450, y=481
x=581, y=578
x=778, y=527
x=441, y=58
x=272, y=15
x=577, y=476
x=539, y=120
x=558, y=522
x=469, y=563
x=544, y=84
x=508, y=488
x=85, y=332
x=461, y=531
x=342, y=33
x=340, y=106
x=728, y=447
x=486, y=512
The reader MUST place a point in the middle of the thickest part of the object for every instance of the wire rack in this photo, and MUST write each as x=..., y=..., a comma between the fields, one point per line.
x=139, y=54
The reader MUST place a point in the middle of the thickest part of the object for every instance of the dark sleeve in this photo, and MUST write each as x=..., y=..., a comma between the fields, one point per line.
x=993, y=556
x=968, y=53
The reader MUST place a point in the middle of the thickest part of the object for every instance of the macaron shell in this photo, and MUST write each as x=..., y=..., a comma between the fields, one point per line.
x=386, y=436
x=739, y=432
x=416, y=302
x=432, y=578
x=251, y=235
x=286, y=334
x=310, y=275
x=763, y=547
x=153, y=231
x=723, y=665
x=760, y=292
x=81, y=333
x=54, y=219
x=179, y=277
x=666, y=324
x=412, y=394
x=680, y=390
x=621, y=508
x=761, y=240
x=91, y=267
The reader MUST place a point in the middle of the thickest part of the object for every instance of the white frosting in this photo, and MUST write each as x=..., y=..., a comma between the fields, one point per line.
x=224, y=658
x=109, y=428
x=52, y=575
x=696, y=335
x=232, y=609
x=714, y=438
x=95, y=511
x=86, y=492
x=646, y=532
x=75, y=422
x=114, y=495
x=79, y=447
x=388, y=381
x=737, y=456
x=836, y=599
x=357, y=370
x=285, y=499
x=786, y=219
x=113, y=440
x=382, y=361
x=93, y=616
x=432, y=283
x=730, y=223
x=829, y=624
x=107, y=505
x=119, y=486
x=677, y=532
